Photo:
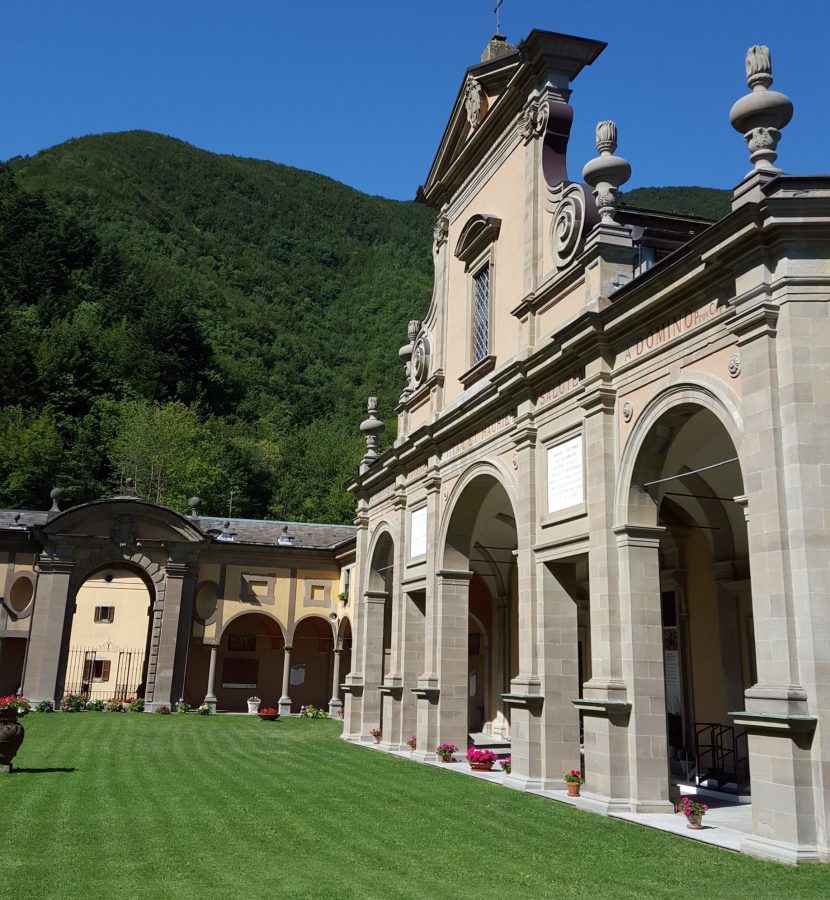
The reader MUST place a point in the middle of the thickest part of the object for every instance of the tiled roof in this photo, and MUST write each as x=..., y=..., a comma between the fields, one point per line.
x=262, y=531
x=303, y=535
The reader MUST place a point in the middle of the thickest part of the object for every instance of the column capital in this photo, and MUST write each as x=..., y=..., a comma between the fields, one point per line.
x=376, y=596
x=639, y=535
x=453, y=575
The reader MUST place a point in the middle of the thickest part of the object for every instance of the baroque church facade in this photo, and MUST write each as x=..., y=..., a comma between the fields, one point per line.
x=601, y=536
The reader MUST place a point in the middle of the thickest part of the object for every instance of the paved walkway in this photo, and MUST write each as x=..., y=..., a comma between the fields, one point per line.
x=725, y=825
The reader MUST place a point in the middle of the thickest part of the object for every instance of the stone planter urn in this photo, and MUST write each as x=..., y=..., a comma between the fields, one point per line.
x=253, y=705
x=11, y=737
x=481, y=766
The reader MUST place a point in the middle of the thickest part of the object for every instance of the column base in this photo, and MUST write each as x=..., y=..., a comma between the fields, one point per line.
x=211, y=702
x=284, y=706
x=336, y=709
x=779, y=851
x=521, y=783
x=605, y=805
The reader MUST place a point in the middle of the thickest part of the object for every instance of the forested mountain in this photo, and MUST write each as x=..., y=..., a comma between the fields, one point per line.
x=203, y=324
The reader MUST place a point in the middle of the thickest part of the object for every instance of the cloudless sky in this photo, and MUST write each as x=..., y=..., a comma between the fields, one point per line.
x=361, y=91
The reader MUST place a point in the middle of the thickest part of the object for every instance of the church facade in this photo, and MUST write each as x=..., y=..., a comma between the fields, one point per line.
x=601, y=536
x=122, y=598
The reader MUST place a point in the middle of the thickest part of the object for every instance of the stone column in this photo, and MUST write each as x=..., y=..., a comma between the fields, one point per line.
x=559, y=669
x=642, y=664
x=284, y=704
x=171, y=648
x=374, y=607
x=526, y=699
x=412, y=641
x=335, y=704
x=210, y=696
x=49, y=631
x=605, y=700
x=453, y=628
x=501, y=641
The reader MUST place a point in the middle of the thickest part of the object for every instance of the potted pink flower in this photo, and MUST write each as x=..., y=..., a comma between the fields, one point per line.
x=376, y=733
x=481, y=760
x=412, y=743
x=693, y=811
x=507, y=765
x=445, y=752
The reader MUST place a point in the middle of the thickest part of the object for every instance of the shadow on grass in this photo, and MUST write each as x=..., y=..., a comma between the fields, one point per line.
x=28, y=771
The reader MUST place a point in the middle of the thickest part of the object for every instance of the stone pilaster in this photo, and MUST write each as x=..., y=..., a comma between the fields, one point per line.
x=374, y=606
x=395, y=695
x=525, y=698
x=426, y=690
x=606, y=702
x=453, y=628
x=49, y=631
x=174, y=637
x=782, y=361
x=353, y=686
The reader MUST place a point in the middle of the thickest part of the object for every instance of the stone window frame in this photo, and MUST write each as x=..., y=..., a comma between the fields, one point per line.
x=578, y=509
x=309, y=600
x=476, y=248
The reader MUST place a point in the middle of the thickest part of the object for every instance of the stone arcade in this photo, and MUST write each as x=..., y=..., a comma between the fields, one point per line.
x=121, y=598
x=602, y=531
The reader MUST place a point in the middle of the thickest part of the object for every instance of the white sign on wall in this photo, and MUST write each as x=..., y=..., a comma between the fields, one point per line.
x=418, y=533
x=297, y=674
x=565, y=475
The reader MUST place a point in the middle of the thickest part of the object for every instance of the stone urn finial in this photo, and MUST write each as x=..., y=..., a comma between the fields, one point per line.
x=371, y=427
x=607, y=172
x=761, y=115
x=194, y=503
x=55, y=496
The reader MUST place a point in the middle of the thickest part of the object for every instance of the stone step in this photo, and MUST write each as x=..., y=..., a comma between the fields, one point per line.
x=482, y=741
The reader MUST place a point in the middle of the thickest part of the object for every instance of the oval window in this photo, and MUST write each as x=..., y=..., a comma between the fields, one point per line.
x=21, y=594
x=206, y=602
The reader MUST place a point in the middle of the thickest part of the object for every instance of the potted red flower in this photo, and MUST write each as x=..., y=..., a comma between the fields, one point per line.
x=268, y=714
x=573, y=781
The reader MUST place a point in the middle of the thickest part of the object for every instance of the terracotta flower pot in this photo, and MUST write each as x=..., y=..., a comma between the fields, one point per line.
x=481, y=766
x=694, y=822
x=573, y=788
x=268, y=717
x=445, y=759
x=11, y=737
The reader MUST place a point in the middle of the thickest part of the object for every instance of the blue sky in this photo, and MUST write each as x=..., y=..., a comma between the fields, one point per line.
x=361, y=91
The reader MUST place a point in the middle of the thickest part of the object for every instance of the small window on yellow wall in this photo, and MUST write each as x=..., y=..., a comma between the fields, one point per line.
x=105, y=614
x=318, y=593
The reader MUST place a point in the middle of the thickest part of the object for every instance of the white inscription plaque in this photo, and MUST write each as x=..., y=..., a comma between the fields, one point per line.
x=418, y=533
x=565, y=475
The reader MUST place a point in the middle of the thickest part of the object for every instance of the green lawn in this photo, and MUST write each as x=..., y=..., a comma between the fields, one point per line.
x=107, y=805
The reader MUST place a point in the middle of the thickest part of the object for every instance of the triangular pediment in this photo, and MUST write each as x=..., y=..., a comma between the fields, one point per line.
x=493, y=94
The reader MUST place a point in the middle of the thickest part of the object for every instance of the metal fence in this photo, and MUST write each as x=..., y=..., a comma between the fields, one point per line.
x=102, y=673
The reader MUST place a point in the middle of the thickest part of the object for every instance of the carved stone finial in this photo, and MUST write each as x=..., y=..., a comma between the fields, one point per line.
x=607, y=172
x=761, y=115
x=194, y=503
x=371, y=427
x=55, y=496
x=128, y=488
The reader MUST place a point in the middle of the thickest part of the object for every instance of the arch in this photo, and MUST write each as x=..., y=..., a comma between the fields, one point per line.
x=705, y=392
x=463, y=501
x=329, y=624
x=270, y=617
x=381, y=556
x=312, y=661
x=340, y=637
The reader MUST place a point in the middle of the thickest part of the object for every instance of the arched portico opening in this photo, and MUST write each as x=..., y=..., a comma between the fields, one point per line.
x=109, y=638
x=312, y=663
x=250, y=662
x=478, y=567
x=686, y=486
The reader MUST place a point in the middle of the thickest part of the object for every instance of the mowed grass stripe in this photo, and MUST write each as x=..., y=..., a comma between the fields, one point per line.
x=180, y=807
